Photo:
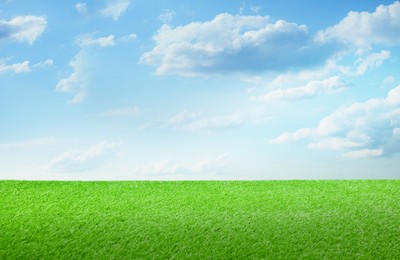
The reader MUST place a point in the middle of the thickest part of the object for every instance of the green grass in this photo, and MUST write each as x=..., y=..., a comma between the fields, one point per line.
x=200, y=220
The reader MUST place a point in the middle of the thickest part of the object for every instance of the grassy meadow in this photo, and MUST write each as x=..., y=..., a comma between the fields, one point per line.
x=200, y=220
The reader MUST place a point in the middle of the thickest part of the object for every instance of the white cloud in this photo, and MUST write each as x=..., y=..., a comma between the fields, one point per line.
x=366, y=129
x=364, y=28
x=77, y=82
x=373, y=60
x=230, y=43
x=115, y=8
x=166, y=16
x=22, y=28
x=128, y=38
x=81, y=160
x=87, y=41
x=337, y=143
x=364, y=153
x=122, y=112
x=81, y=8
x=294, y=136
x=16, y=67
x=22, y=67
x=330, y=85
x=44, y=63
x=33, y=143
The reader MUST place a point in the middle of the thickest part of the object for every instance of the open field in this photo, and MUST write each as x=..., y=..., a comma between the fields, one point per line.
x=197, y=220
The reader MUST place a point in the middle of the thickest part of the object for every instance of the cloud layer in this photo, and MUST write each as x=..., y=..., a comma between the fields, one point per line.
x=230, y=43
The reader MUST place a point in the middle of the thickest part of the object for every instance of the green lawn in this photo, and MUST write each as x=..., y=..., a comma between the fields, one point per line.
x=200, y=220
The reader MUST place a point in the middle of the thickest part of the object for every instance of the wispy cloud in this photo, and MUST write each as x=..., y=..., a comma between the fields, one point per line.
x=330, y=85
x=23, y=28
x=88, y=40
x=115, y=8
x=203, y=166
x=361, y=129
x=198, y=122
x=128, y=38
x=81, y=8
x=33, y=143
x=365, y=153
x=76, y=83
x=373, y=60
x=166, y=16
x=195, y=121
x=43, y=64
x=215, y=123
x=81, y=160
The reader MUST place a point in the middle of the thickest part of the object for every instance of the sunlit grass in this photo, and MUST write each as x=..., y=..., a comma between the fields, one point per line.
x=197, y=220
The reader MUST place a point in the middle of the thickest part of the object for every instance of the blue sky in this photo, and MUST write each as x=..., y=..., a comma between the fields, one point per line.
x=171, y=90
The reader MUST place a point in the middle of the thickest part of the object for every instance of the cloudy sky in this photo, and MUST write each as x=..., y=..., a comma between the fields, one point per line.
x=124, y=89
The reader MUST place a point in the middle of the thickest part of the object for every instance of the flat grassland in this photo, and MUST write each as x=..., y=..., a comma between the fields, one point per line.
x=200, y=220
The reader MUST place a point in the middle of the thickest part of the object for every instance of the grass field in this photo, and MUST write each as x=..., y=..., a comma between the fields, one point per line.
x=200, y=220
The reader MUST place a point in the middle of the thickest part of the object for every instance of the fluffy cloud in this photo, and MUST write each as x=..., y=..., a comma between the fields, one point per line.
x=81, y=160
x=16, y=67
x=87, y=41
x=22, y=28
x=330, y=85
x=366, y=129
x=77, y=82
x=364, y=28
x=115, y=8
x=234, y=43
